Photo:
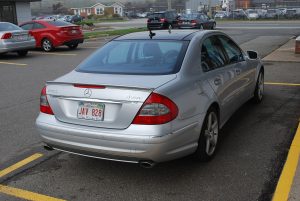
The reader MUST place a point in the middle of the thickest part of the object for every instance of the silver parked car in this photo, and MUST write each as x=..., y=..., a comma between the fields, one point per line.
x=15, y=39
x=148, y=99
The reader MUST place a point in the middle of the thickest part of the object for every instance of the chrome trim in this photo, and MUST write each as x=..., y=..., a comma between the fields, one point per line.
x=91, y=100
x=97, y=157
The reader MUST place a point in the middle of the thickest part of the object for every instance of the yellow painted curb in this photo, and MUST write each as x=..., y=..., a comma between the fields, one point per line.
x=20, y=164
x=27, y=195
x=288, y=173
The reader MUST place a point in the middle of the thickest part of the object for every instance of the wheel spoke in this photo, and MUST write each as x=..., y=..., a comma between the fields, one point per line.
x=209, y=122
x=208, y=146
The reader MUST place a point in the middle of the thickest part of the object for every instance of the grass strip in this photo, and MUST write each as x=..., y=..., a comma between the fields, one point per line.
x=97, y=34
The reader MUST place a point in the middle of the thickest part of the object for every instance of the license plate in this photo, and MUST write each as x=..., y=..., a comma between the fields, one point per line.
x=20, y=38
x=185, y=22
x=74, y=31
x=90, y=111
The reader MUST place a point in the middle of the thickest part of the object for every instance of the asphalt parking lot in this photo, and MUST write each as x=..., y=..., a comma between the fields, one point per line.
x=254, y=143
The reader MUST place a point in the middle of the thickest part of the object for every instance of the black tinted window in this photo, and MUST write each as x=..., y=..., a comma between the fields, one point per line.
x=137, y=57
x=27, y=26
x=212, y=55
x=232, y=50
x=59, y=23
x=4, y=26
x=157, y=15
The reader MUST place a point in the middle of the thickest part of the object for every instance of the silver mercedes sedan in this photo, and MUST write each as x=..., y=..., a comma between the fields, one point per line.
x=15, y=39
x=148, y=98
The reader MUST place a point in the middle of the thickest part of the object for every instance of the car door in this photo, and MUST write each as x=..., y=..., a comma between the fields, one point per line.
x=37, y=31
x=205, y=22
x=245, y=74
x=220, y=76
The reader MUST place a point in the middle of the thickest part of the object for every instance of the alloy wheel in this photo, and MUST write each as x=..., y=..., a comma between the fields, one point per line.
x=211, y=133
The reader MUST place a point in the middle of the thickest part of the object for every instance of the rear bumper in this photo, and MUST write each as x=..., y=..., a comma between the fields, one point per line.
x=188, y=26
x=74, y=41
x=157, y=26
x=16, y=46
x=129, y=145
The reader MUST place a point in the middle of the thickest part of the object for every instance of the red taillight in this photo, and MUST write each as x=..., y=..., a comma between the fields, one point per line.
x=162, y=20
x=157, y=109
x=89, y=86
x=44, y=104
x=194, y=22
x=6, y=36
x=180, y=22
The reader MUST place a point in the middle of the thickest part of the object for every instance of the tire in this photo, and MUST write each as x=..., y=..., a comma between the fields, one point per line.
x=47, y=45
x=22, y=53
x=209, y=135
x=213, y=26
x=73, y=46
x=259, y=88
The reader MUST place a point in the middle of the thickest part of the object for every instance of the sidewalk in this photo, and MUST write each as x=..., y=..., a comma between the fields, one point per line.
x=288, y=186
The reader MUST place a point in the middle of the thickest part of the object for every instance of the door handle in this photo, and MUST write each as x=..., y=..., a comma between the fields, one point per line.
x=217, y=81
x=238, y=71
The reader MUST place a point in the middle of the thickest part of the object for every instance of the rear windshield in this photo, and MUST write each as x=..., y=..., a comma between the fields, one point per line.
x=8, y=27
x=142, y=57
x=157, y=15
x=190, y=16
x=59, y=23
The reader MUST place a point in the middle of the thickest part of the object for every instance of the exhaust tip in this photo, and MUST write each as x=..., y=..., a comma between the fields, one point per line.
x=147, y=164
x=48, y=148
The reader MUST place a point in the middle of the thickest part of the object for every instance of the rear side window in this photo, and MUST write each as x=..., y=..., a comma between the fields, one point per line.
x=28, y=26
x=143, y=57
x=232, y=50
x=212, y=55
x=59, y=23
x=8, y=27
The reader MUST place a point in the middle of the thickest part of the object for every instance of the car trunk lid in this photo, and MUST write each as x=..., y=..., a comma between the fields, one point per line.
x=114, y=99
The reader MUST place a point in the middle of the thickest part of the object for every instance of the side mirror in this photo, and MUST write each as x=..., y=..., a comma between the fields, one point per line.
x=252, y=54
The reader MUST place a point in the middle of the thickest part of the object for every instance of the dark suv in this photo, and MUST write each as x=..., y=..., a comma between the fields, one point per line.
x=162, y=20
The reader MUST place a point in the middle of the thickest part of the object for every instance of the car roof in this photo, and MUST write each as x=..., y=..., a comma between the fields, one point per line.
x=161, y=35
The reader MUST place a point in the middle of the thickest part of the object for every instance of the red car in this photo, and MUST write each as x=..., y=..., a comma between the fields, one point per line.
x=53, y=33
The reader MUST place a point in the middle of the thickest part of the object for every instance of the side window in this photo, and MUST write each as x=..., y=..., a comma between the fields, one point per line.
x=232, y=50
x=212, y=55
x=28, y=26
x=38, y=26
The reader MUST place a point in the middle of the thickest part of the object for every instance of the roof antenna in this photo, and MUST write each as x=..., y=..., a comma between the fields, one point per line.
x=151, y=34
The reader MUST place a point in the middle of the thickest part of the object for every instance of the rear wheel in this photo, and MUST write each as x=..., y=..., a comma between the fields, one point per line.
x=47, y=45
x=208, y=140
x=73, y=46
x=22, y=53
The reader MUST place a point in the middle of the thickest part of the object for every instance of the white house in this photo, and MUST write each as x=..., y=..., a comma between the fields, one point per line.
x=99, y=9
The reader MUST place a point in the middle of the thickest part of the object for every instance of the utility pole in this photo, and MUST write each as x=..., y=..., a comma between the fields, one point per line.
x=169, y=5
x=209, y=8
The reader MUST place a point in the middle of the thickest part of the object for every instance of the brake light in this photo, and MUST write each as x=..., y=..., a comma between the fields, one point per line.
x=6, y=36
x=162, y=20
x=87, y=86
x=157, y=109
x=44, y=104
x=194, y=22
